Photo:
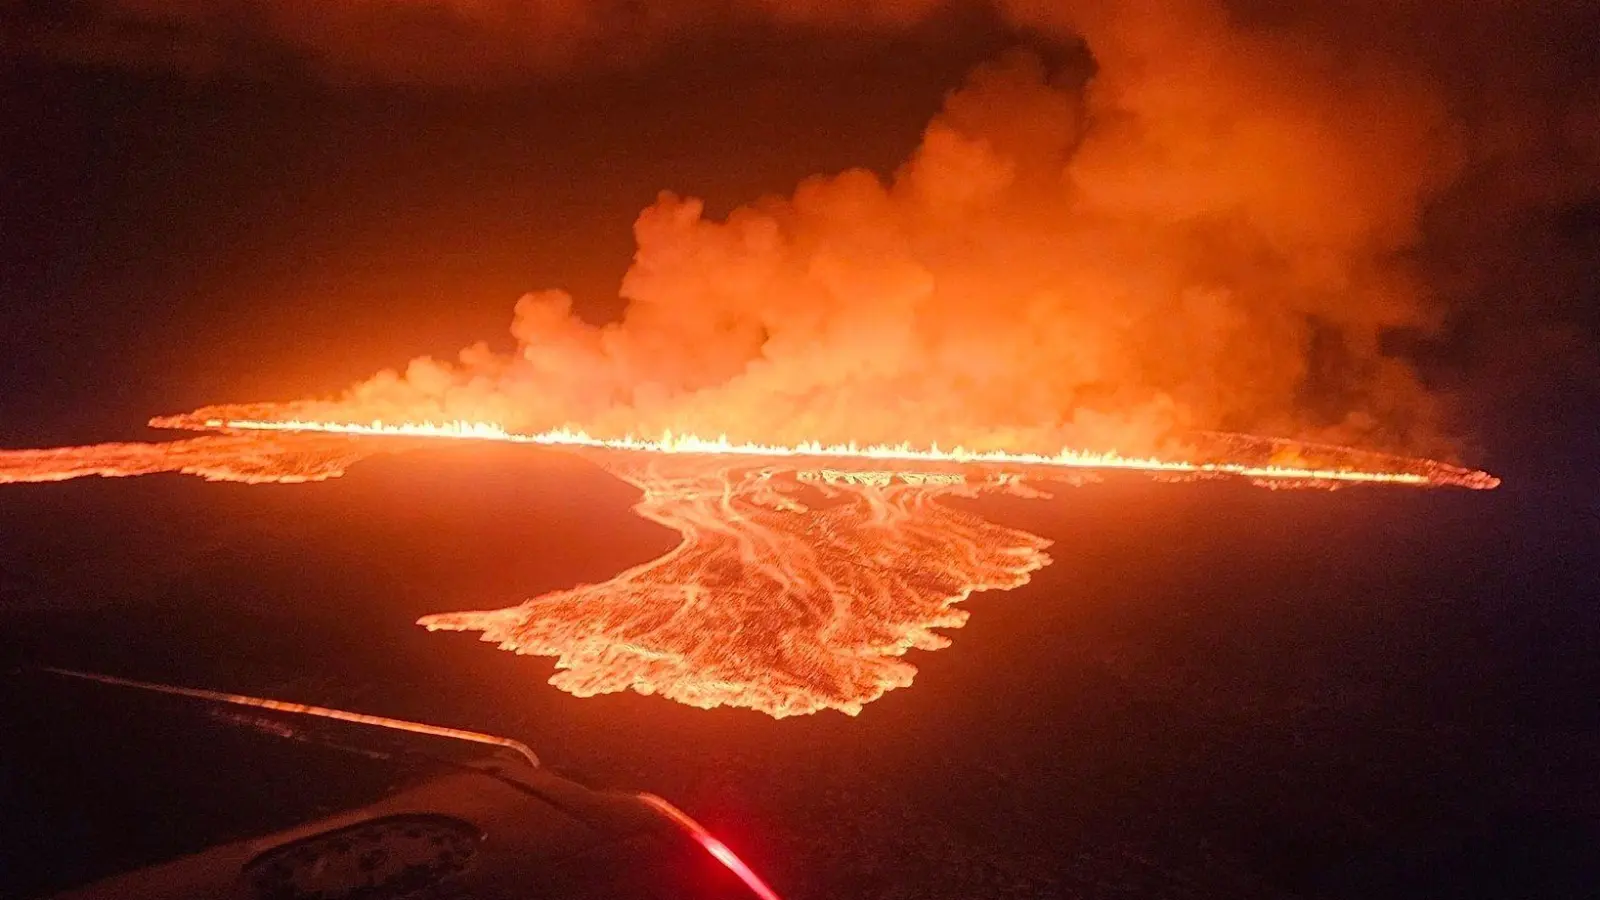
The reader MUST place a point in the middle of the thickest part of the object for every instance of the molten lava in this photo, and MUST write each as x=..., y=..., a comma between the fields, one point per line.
x=249, y=458
x=770, y=601
x=804, y=572
x=1383, y=469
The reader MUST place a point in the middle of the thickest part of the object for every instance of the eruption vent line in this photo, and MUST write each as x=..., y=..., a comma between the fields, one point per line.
x=303, y=709
x=693, y=444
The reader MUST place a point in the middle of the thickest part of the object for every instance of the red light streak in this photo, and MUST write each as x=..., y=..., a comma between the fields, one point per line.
x=713, y=846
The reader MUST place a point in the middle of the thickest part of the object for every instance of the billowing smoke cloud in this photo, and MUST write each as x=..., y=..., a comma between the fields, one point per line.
x=1202, y=236
x=1212, y=228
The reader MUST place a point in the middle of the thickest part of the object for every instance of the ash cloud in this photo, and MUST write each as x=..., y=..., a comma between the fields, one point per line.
x=1221, y=223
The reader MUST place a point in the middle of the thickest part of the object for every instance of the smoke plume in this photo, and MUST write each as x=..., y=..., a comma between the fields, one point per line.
x=1212, y=226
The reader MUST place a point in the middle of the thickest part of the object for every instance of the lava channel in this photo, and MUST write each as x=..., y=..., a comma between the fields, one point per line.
x=771, y=602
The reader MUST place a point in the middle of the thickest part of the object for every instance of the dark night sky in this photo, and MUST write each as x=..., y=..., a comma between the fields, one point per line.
x=169, y=242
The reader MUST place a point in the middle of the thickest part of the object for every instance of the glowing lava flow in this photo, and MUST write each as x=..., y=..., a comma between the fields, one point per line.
x=1421, y=473
x=244, y=457
x=795, y=587
x=767, y=602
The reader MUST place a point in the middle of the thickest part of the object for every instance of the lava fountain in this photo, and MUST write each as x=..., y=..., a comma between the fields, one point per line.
x=804, y=572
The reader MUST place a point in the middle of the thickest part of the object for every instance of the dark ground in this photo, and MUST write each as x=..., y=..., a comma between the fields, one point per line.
x=1215, y=691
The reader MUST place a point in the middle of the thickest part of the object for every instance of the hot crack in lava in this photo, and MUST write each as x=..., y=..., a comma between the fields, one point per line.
x=770, y=602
